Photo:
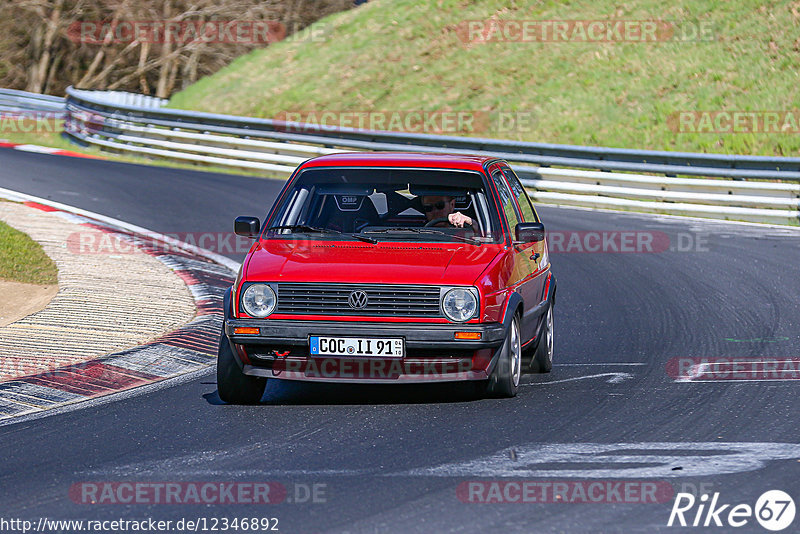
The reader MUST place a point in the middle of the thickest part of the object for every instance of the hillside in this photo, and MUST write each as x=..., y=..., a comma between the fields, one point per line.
x=416, y=55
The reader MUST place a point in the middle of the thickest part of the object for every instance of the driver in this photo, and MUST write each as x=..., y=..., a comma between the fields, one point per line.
x=444, y=207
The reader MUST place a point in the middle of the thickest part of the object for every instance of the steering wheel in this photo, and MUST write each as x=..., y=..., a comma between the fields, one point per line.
x=437, y=220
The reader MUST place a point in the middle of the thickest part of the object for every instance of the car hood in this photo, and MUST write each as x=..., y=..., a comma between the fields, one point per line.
x=356, y=262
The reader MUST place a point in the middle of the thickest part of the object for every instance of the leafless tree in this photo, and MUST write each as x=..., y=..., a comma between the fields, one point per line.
x=43, y=44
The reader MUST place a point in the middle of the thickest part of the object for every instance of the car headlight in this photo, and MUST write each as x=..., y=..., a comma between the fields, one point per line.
x=259, y=300
x=459, y=304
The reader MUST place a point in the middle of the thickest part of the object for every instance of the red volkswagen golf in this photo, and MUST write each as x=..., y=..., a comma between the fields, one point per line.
x=391, y=268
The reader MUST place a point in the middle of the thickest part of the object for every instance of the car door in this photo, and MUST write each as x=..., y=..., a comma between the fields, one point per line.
x=526, y=209
x=522, y=262
x=535, y=254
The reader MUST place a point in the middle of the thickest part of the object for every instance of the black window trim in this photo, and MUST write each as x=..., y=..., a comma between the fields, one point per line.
x=527, y=197
x=520, y=218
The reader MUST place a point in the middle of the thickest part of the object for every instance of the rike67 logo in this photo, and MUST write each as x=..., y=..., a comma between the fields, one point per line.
x=774, y=510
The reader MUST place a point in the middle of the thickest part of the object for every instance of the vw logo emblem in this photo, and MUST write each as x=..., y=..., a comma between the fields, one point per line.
x=358, y=299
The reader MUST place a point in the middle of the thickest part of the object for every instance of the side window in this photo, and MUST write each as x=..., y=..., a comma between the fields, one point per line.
x=523, y=199
x=506, y=199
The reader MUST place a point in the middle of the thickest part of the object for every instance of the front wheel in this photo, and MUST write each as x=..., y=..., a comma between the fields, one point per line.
x=504, y=380
x=542, y=361
x=233, y=385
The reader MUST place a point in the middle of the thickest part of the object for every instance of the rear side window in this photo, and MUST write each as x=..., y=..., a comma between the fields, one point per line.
x=523, y=199
x=506, y=199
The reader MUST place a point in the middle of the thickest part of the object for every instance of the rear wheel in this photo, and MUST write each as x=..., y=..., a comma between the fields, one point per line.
x=542, y=361
x=504, y=380
x=233, y=385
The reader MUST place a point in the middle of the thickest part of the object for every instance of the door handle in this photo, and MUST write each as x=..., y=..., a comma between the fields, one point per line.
x=535, y=256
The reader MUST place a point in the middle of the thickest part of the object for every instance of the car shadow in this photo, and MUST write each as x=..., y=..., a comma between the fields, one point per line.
x=213, y=398
x=289, y=392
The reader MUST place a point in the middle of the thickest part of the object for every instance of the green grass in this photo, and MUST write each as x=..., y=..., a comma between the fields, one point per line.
x=407, y=55
x=23, y=260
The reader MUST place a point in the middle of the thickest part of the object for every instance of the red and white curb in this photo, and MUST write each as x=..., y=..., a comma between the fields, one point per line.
x=189, y=349
x=45, y=150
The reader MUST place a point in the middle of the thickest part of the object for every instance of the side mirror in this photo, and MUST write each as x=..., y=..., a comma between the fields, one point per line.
x=247, y=226
x=529, y=232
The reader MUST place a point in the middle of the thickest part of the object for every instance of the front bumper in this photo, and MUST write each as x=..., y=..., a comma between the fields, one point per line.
x=432, y=354
x=416, y=335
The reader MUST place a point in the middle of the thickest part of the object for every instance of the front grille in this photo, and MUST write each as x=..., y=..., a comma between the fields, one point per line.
x=383, y=300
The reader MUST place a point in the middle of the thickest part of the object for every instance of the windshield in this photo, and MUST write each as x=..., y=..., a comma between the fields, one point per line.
x=388, y=204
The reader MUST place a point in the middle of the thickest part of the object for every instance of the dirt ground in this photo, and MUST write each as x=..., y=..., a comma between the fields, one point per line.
x=18, y=300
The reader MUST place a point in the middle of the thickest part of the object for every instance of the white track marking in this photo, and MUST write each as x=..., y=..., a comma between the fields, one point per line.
x=697, y=372
x=159, y=367
x=227, y=262
x=36, y=148
x=537, y=460
x=111, y=397
x=615, y=378
x=658, y=460
x=83, y=321
x=592, y=364
x=722, y=381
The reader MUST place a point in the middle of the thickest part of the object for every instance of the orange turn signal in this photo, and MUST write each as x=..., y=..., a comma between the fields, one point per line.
x=474, y=336
x=246, y=330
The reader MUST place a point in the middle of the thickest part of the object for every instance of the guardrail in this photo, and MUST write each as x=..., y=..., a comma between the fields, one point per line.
x=726, y=190
x=122, y=98
x=766, y=202
x=12, y=101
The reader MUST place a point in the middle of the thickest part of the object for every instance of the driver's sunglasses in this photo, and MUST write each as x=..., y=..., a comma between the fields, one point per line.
x=427, y=208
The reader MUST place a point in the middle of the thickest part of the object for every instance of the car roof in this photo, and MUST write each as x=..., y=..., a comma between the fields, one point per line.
x=400, y=159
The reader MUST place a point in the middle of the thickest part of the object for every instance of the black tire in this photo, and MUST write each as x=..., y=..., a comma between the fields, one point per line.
x=233, y=385
x=542, y=361
x=504, y=380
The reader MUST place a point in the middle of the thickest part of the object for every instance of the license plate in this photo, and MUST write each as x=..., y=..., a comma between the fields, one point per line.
x=390, y=347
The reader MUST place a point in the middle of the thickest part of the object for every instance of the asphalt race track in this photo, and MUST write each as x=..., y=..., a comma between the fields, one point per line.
x=397, y=459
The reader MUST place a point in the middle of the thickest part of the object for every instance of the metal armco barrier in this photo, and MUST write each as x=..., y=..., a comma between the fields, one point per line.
x=12, y=101
x=749, y=188
x=123, y=98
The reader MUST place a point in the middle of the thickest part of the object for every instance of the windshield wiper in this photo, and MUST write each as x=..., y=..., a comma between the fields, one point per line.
x=314, y=229
x=425, y=231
